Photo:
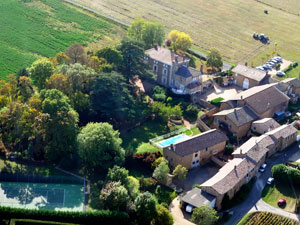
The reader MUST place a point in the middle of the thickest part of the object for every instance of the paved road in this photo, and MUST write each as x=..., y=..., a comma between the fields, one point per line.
x=254, y=201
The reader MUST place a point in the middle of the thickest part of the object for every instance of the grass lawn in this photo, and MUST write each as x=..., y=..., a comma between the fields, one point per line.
x=226, y=25
x=26, y=168
x=194, y=131
x=271, y=195
x=294, y=72
x=31, y=29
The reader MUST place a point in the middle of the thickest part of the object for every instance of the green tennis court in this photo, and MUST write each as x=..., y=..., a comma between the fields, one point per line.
x=42, y=196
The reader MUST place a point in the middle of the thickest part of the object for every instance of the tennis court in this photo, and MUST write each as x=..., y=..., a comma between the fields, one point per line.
x=42, y=196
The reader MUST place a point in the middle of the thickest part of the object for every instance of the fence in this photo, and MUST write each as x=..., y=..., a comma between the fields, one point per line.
x=28, y=178
x=162, y=137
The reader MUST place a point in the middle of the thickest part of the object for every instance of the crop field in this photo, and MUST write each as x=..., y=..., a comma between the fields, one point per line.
x=34, y=28
x=226, y=25
x=264, y=218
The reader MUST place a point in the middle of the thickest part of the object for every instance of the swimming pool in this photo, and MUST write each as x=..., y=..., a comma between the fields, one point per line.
x=172, y=140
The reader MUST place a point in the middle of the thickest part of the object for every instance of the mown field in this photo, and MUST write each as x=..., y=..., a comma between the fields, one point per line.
x=226, y=25
x=34, y=28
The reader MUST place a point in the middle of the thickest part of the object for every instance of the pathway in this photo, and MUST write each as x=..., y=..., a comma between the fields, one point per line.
x=178, y=214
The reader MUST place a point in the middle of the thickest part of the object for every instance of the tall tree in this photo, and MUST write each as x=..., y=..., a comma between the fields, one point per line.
x=161, y=171
x=99, y=147
x=76, y=53
x=180, y=40
x=25, y=88
x=112, y=56
x=204, y=215
x=133, y=58
x=40, y=71
x=135, y=29
x=61, y=129
x=59, y=82
x=114, y=196
x=214, y=59
x=111, y=99
x=62, y=58
x=145, y=208
x=164, y=217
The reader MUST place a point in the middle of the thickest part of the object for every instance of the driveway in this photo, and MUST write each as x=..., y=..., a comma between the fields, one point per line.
x=218, y=91
x=254, y=201
x=179, y=217
x=284, y=64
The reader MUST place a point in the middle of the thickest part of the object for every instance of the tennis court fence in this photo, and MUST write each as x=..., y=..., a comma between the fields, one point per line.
x=30, y=178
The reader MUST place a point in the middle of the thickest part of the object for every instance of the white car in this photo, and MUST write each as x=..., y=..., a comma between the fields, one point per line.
x=262, y=168
x=270, y=180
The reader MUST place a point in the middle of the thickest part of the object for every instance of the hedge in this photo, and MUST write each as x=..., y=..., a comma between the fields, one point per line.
x=89, y=218
x=285, y=174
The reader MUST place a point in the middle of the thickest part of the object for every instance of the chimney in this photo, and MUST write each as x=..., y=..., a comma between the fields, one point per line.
x=156, y=46
x=241, y=97
x=234, y=167
x=246, y=64
x=241, y=151
x=201, y=68
x=234, y=110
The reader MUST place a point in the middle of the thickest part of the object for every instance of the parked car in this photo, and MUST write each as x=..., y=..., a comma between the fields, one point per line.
x=270, y=180
x=287, y=114
x=281, y=202
x=263, y=167
x=280, y=74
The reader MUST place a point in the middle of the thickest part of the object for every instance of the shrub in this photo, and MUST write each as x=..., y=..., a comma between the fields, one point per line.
x=191, y=113
x=228, y=149
x=277, y=67
x=147, y=158
x=147, y=184
x=159, y=93
x=94, y=217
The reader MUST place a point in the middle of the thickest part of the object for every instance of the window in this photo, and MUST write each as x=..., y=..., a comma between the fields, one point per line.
x=165, y=71
x=164, y=80
x=194, y=163
x=254, y=128
x=197, y=161
x=206, y=149
x=155, y=68
x=196, y=155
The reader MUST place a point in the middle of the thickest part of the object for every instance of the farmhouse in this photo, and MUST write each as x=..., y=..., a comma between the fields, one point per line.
x=196, y=150
x=248, y=77
x=247, y=160
x=173, y=71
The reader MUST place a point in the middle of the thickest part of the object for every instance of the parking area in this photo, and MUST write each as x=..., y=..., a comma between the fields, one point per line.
x=285, y=64
x=199, y=175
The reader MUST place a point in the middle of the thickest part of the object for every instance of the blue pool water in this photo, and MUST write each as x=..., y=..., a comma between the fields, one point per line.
x=172, y=140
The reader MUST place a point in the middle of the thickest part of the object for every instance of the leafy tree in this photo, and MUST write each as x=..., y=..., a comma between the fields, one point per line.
x=25, y=88
x=99, y=147
x=82, y=105
x=117, y=174
x=76, y=53
x=164, y=217
x=191, y=112
x=180, y=172
x=114, y=196
x=111, y=55
x=8, y=90
x=159, y=93
x=161, y=171
x=145, y=208
x=214, y=59
x=147, y=31
x=111, y=99
x=133, y=187
x=96, y=63
x=158, y=161
x=133, y=58
x=61, y=126
x=180, y=40
x=62, y=58
x=204, y=215
x=40, y=71
x=59, y=82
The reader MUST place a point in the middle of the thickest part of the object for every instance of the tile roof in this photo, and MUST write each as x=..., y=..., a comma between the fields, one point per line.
x=283, y=131
x=183, y=71
x=163, y=55
x=230, y=175
x=266, y=124
x=196, y=197
x=198, y=142
x=249, y=72
x=239, y=116
x=261, y=98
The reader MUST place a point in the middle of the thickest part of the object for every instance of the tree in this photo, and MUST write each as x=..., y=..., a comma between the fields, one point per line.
x=214, y=59
x=133, y=58
x=191, y=112
x=180, y=172
x=25, y=88
x=204, y=215
x=40, y=71
x=62, y=58
x=180, y=40
x=59, y=82
x=145, y=208
x=133, y=187
x=135, y=30
x=161, y=172
x=117, y=174
x=111, y=99
x=99, y=147
x=111, y=55
x=114, y=196
x=61, y=126
x=76, y=53
x=158, y=161
x=164, y=217
x=159, y=93
x=95, y=63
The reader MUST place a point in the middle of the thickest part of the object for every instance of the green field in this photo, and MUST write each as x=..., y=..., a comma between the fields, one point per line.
x=226, y=25
x=34, y=28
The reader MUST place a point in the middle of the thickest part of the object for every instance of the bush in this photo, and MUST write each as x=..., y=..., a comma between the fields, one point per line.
x=191, y=113
x=277, y=67
x=147, y=184
x=285, y=174
x=94, y=217
x=159, y=93
x=228, y=149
